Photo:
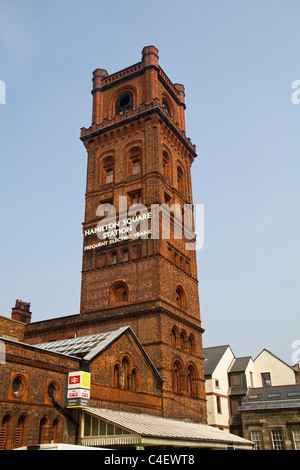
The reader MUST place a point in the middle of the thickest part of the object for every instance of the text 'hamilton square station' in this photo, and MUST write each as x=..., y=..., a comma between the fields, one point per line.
x=127, y=371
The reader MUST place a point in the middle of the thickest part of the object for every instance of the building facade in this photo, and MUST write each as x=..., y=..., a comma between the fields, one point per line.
x=137, y=277
x=228, y=380
x=271, y=417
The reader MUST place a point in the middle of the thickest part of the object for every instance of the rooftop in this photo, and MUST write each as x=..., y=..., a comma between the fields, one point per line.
x=275, y=397
x=145, y=427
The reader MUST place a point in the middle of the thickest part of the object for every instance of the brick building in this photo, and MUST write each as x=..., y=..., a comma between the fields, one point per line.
x=271, y=417
x=137, y=148
x=139, y=294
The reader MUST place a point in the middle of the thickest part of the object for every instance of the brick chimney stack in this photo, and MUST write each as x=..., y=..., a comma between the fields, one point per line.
x=21, y=312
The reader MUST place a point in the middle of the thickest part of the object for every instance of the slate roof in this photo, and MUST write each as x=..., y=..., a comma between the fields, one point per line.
x=240, y=364
x=270, y=398
x=212, y=357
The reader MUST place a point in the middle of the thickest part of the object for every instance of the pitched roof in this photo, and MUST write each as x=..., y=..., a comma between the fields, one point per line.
x=164, y=428
x=212, y=357
x=240, y=364
x=82, y=346
x=275, y=397
x=89, y=347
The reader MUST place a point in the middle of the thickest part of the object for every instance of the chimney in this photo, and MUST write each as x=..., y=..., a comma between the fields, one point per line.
x=21, y=312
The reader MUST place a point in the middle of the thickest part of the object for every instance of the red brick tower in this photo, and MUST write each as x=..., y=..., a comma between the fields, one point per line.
x=137, y=148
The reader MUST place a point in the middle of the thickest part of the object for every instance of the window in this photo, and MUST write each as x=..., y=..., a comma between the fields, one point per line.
x=125, y=373
x=54, y=431
x=134, y=380
x=235, y=380
x=256, y=437
x=97, y=427
x=18, y=386
x=124, y=102
x=42, y=431
x=180, y=297
x=219, y=409
x=166, y=166
x=125, y=255
x=165, y=103
x=107, y=170
x=191, y=382
x=109, y=175
x=294, y=394
x=136, y=167
x=177, y=377
x=191, y=344
x=296, y=438
x=119, y=293
x=4, y=430
x=117, y=376
x=51, y=390
x=134, y=161
x=183, y=340
x=277, y=439
x=274, y=395
x=235, y=404
x=174, y=337
x=19, y=436
x=180, y=180
x=266, y=379
x=136, y=198
x=114, y=258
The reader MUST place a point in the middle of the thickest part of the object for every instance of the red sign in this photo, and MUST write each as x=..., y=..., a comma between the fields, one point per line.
x=74, y=379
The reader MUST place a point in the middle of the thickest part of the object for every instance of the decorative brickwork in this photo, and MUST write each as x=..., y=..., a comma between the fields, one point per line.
x=136, y=148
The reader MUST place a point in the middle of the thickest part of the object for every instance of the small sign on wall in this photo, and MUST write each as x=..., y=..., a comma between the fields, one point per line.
x=78, y=389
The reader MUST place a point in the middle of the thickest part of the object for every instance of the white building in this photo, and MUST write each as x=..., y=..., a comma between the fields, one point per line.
x=228, y=378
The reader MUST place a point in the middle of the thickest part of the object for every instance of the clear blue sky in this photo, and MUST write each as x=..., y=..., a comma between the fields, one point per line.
x=237, y=60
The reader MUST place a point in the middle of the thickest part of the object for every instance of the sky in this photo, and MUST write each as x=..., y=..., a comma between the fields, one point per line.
x=237, y=60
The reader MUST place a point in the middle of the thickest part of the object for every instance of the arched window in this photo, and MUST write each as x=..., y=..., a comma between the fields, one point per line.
x=191, y=378
x=134, y=161
x=177, y=377
x=119, y=293
x=19, y=436
x=167, y=165
x=134, y=379
x=191, y=343
x=124, y=102
x=4, y=431
x=117, y=376
x=180, y=180
x=166, y=104
x=125, y=381
x=174, y=335
x=180, y=297
x=55, y=431
x=107, y=170
x=183, y=340
x=43, y=431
